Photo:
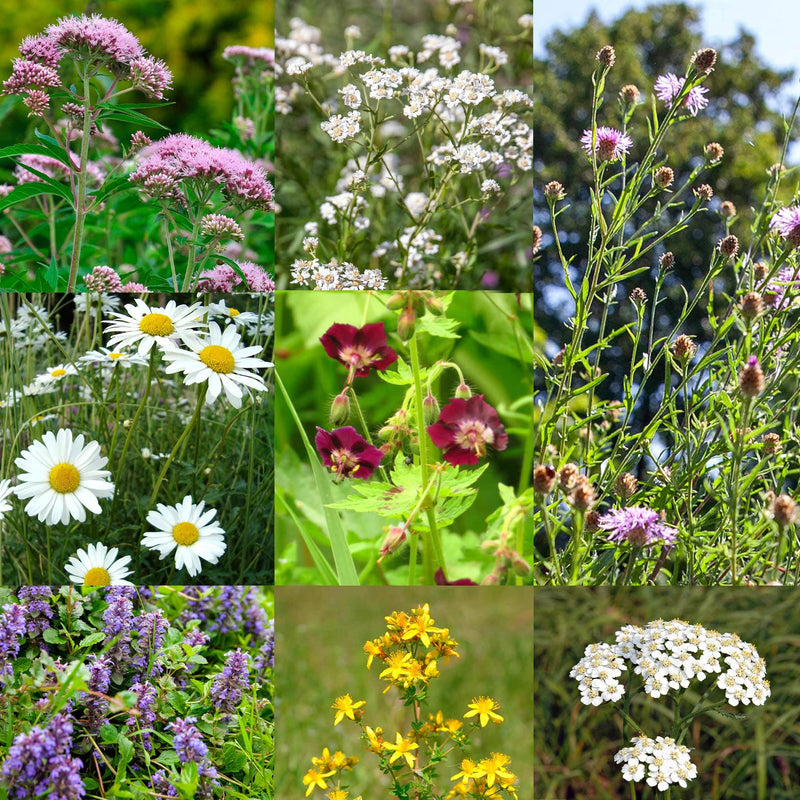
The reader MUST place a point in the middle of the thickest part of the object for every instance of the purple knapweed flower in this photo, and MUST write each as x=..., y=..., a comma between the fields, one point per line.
x=637, y=525
x=610, y=144
x=668, y=87
x=346, y=453
x=229, y=686
x=786, y=222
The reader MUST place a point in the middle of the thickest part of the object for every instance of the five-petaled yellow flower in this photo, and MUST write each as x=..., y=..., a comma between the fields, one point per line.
x=401, y=747
x=314, y=778
x=469, y=769
x=494, y=768
x=420, y=626
x=485, y=708
x=345, y=707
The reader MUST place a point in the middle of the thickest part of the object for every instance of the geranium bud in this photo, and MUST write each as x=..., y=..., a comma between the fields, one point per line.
x=395, y=536
x=463, y=391
x=419, y=303
x=407, y=324
x=430, y=410
x=340, y=410
x=396, y=302
x=435, y=306
x=520, y=565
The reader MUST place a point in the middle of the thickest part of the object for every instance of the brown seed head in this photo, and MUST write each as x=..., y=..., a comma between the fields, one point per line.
x=751, y=378
x=537, y=239
x=582, y=496
x=703, y=60
x=558, y=358
x=625, y=485
x=629, y=94
x=727, y=209
x=760, y=271
x=683, y=348
x=606, y=56
x=567, y=476
x=638, y=295
x=751, y=305
x=554, y=190
x=704, y=192
x=783, y=510
x=729, y=246
x=666, y=261
x=714, y=152
x=663, y=177
x=544, y=479
x=772, y=443
x=590, y=521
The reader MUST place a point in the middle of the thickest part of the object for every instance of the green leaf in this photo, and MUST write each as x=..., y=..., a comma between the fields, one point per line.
x=400, y=377
x=92, y=638
x=441, y=327
x=35, y=150
x=52, y=636
x=51, y=276
x=233, y=759
x=28, y=190
x=108, y=734
x=124, y=113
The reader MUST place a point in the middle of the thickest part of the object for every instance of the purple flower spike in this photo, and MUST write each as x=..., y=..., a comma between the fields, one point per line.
x=360, y=349
x=346, y=453
x=610, y=144
x=638, y=525
x=465, y=429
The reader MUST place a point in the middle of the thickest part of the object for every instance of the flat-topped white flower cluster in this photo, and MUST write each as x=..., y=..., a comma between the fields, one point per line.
x=660, y=761
x=667, y=656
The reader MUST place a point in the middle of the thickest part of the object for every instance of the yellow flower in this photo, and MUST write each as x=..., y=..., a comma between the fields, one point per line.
x=324, y=762
x=494, y=767
x=375, y=738
x=372, y=649
x=337, y=794
x=345, y=707
x=314, y=778
x=420, y=626
x=402, y=747
x=397, y=666
x=485, y=707
x=469, y=769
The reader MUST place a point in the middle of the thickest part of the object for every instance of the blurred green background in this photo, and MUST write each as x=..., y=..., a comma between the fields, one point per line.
x=320, y=636
x=486, y=352
x=189, y=35
x=757, y=757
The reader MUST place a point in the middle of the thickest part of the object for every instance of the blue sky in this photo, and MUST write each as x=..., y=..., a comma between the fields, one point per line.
x=774, y=23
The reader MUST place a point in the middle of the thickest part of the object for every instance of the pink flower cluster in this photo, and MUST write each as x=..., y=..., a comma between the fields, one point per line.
x=106, y=279
x=181, y=157
x=223, y=278
x=94, y=40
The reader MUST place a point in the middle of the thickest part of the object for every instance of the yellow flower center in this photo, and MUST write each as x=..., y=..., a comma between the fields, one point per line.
x=185, y=533
x=96, y=576
x=57, y=373
x=114, y=356
x=234, y=312
x=64, y=478
x=219, y=358
x=156, y=325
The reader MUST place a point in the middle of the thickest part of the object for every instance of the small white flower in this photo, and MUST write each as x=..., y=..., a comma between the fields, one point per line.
x=98, y=566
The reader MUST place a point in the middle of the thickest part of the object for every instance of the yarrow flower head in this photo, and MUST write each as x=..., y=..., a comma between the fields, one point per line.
x=786, y=223
x=63, y=478
x=346, y=453
x=609, y=143
x=360, y=349
x=660, y=761
x=636, y=525
x=465, y=428
x=668, y=87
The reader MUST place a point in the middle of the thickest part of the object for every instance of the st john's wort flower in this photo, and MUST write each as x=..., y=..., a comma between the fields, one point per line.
x=346, y=453
x=345, y=707
x=98, y=566
x=189, y=530
x=668, y=87
x=610, y=144
x=637, y=525
x=359, y=349
x=485, y=708
x=786, y=222
x=466, y=427
x=219, y=360
x=63, y=478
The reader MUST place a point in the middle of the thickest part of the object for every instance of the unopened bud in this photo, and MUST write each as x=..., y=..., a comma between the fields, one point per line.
x=714, y=152
x=407, y=324
x=520, y=565
x=626, y=484
x=629, y=94
x=751, y=305
x=430, y=409
x=340, y=409
x=435, y=306
x=396, y=302
x=729, y=246
x=704, y=192
x=553, y=190
x=666, y=261
x=703, y=60
x=727, y=209
x=751, y=378
x=395, y=536
x=663, y=177
x=463, y=391
x=606, y=56
x=537, y=239
x=544, y=479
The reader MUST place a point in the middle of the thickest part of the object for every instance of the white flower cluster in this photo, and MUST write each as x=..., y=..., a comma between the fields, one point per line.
x=660, y=761
x=334, y=276
x=667, y=656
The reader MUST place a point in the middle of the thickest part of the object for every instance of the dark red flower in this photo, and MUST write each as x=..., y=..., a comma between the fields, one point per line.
x=360, y=349
x=346, y=453
x=465, y=428
x=442, y=581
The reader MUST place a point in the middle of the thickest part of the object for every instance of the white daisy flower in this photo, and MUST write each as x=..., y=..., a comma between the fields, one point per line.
x=221, y=309
x=108, y=358
x=5, y=492
x=57, y=373
x=220, y=360
x=188, y=530
x=63, y=478
x=151, y=325
x=98, y=566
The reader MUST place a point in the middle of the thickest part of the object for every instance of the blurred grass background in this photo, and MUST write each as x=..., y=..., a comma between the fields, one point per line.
x=486, y=352
x=755, y=758
x=189, y=35
x=320, y=635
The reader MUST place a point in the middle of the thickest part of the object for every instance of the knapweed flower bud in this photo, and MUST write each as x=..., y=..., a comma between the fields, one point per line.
x=590, y=521
x=567, y=476
x=544, y=479
x=776, y=169
x=704, y=192
x=554, y=190
x=727, y=209
x=463, y=391
x=714, y=152
x=751, y=305
x=606, y=56
x=537, y=239
x=703, y=60
x=407, y=324
x=772, y=443
x=430, y=409
x=340, y=410
x=751, y=378
x=435, y=306
x=638, y=295
x=683, y=348
x=760, y=271
x=625, y=485
x=629, y=94
x=663, y=177
x=666, y=261
x=396, y=302
x=729, y=246
x=783, y=509
x=582, y=496
x=558, y=358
